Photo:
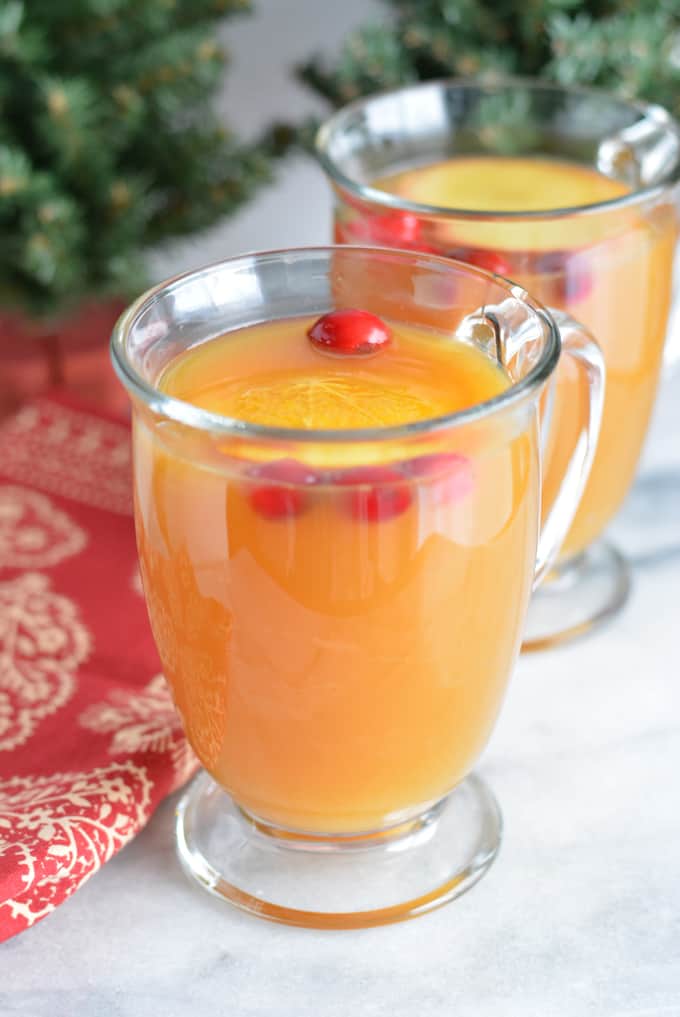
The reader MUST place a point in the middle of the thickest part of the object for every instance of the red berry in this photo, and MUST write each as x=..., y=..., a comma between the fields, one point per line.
x=449, y=475
x=392, y=229
x=395, y=229
x=381, y=492
x=389, y=229
x=276, y=501
x=349, y=331
x=490, y=261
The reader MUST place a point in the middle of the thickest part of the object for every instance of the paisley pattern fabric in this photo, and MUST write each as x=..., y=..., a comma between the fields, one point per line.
x=89, y=740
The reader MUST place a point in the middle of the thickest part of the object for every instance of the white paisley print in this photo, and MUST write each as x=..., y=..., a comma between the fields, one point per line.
x=69, y=453
x=42, y=643
x=34, y=533
x=56, y=831
x=143, y=722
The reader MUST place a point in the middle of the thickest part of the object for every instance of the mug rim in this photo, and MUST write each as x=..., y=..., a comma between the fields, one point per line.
x=393, y=202
x=192, y=416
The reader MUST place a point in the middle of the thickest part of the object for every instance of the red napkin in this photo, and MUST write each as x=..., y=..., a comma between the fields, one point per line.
x=89, y=740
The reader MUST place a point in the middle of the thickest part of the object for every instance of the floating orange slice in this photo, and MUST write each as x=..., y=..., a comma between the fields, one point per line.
x=336, y=402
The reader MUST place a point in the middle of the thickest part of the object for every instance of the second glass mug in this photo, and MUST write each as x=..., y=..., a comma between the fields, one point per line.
x=607, y=264
x=336, y=676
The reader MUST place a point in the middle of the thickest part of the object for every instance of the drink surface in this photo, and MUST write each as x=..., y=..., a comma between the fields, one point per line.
x=503, y=184
x=273, y=375
x=610, y=268
x=337, y=638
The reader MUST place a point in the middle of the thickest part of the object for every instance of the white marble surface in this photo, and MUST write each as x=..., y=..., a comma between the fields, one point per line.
x=580, y=914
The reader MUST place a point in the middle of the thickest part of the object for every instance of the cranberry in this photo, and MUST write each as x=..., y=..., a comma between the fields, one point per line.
x=449, y=473
x=276, y=501
x=389, y=229
x=490, y=261
x=573, y=279
x=381, y=492
x=349, y=331
x=395, y=229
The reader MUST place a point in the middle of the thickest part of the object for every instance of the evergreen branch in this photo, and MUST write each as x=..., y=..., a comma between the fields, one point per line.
x=628, y=46
x=108, y=141
x=15, y=173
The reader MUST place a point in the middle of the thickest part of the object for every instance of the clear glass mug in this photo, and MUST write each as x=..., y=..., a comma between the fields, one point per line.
x=336, y=676
x=609, y=265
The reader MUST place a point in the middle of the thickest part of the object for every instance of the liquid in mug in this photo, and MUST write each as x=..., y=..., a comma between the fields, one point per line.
x=318, y=613
x=611, y=270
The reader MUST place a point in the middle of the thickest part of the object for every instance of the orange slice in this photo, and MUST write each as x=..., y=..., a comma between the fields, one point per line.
x=335, y=402
x=496, y=184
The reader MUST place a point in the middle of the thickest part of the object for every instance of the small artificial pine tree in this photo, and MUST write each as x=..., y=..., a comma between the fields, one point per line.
x=628, y=46
x=108, y=142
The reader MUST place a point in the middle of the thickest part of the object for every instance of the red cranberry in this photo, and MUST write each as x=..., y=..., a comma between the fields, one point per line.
x=381, y=492
x=490, y=261
x=449, y=473
x=395, y=229
x=389, y=229
x=284, y=495
x=349, y=331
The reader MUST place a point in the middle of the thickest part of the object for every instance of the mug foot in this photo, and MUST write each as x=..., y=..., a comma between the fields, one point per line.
x=576, y=597
x=337, y=881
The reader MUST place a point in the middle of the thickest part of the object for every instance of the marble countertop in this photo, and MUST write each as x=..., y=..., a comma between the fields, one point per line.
x=580, y=914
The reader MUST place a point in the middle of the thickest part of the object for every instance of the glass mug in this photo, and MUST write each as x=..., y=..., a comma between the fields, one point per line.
x=337, y=679
x=609, y=265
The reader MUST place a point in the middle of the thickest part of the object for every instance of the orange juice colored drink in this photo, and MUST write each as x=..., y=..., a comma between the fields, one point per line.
x=611, y=270
x=318, y=613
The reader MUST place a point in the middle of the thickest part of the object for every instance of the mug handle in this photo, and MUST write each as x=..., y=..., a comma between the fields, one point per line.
x=579, y=344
